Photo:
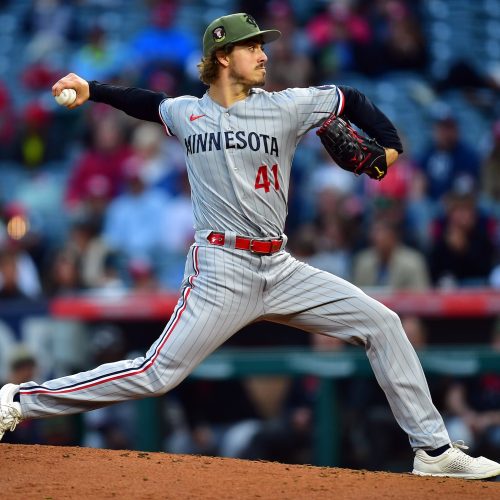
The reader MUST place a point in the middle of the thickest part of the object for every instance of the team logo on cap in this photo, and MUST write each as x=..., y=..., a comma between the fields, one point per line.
x=251, y=20
x=219, y=33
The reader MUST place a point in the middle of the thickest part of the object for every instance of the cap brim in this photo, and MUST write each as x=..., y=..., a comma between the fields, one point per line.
x=267, y=36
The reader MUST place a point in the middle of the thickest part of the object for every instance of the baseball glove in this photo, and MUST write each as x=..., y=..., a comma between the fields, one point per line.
x=351, y=151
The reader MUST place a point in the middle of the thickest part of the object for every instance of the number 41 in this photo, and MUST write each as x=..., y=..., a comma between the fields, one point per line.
x=262, y=180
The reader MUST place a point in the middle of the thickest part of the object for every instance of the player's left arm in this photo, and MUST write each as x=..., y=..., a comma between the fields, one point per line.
x=358, y=109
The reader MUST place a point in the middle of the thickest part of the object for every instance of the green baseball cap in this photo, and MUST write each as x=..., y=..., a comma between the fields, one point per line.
x=234, y=28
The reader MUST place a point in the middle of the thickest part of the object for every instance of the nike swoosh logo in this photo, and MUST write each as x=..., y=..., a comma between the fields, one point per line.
x=192, y=118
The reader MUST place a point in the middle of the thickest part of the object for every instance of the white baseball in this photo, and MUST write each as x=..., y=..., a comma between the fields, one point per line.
x=66, y=97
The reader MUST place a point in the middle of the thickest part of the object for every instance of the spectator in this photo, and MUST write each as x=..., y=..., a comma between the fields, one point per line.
x=179, y=219
x=162, y=42
x=400, y=197
x=95, y=198
x=112, y=427
x=388, y=263
x=285, y=17
x=36, y=143
x=39, y=75
x=160, y=158
x=463, y=74
x=85, y=243
x=478, y=82
x=179, y=236
x=23, y=368
x=132, y=220
x=341, y=38
x=98, y=58
x=63, y=277
x=463, y=250
x=22, y=231
x=112, y=282
x=270, y=419
x=326, y=250
x=332, y=191
x=448, y=158
x=473, y=407
x=401, y=182
x=292, y=66
x=284, y=406
x=7, y=123
x=490, y=171
x=99, y=170
x=143, y=275
x=10, y=288
x=329, y=176
x=289, y=68
x=334, y=230
x=403, y=43
x=49, y=25
x=208, y=420
x=26, y=276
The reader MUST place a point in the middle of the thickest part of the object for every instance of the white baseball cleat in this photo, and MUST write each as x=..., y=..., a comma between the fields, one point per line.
x=10, y=411
x=454, y=463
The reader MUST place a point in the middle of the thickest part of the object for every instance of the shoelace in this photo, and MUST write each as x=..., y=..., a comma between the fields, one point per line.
x=460, y=444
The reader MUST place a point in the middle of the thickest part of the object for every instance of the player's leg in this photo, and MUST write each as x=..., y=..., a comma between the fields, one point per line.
x=207, y=313
x=316, y=301
x=319, y=302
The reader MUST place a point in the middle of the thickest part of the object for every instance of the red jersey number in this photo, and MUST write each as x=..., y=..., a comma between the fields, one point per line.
x=262, y=180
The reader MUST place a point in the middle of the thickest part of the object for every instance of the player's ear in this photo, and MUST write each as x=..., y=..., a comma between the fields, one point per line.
x=222, y=58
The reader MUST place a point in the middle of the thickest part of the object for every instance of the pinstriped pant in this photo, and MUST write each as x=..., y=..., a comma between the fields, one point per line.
x=224, y=290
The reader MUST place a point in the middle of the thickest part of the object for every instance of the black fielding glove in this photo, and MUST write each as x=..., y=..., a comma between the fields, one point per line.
x=351, y=151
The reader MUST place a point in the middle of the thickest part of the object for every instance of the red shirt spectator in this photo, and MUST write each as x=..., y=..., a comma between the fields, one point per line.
x=7, y=118
x=101, y=166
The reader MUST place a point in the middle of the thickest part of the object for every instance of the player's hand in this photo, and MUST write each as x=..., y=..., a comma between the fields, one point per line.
x=391, y=155
x=72, y=81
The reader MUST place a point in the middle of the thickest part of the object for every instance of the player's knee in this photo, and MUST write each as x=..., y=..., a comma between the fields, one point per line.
x=393, y=317
x=159, y=383
x=389, y=323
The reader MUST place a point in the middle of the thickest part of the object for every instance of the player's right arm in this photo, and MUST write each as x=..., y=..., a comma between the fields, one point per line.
x=138, y=103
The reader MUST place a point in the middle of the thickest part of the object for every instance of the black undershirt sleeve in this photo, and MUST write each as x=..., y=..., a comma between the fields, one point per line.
x=139, y=103
x=364, y=114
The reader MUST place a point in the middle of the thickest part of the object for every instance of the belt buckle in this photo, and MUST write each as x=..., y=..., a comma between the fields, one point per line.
x=271, y=246
x=253, y=250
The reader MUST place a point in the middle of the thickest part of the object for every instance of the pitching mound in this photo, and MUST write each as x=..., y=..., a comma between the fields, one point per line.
x=48, y=472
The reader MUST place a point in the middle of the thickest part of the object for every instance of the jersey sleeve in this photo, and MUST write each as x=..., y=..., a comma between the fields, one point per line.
x=315, y=104
x=165, y=111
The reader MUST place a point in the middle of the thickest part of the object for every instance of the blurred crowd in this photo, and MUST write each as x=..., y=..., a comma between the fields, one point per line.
x=98, y=200
x=92, y=200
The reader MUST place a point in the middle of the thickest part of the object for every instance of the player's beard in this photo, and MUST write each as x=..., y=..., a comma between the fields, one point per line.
x=244, y=81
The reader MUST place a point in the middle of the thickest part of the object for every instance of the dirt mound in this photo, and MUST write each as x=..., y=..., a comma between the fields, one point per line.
x=49, y=472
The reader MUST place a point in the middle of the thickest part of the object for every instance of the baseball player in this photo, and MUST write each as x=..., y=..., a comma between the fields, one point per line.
x=239, y=142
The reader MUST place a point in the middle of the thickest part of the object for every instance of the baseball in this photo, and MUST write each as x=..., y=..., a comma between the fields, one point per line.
x=66, y=97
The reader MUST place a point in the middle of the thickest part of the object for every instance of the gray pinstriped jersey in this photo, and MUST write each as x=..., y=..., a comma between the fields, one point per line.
x=239, y=158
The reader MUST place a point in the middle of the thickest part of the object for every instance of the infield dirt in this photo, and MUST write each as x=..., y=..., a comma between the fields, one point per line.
x=48, y=472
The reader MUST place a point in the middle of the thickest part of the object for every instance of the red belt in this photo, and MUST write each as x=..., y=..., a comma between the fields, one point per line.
x=263, y=247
